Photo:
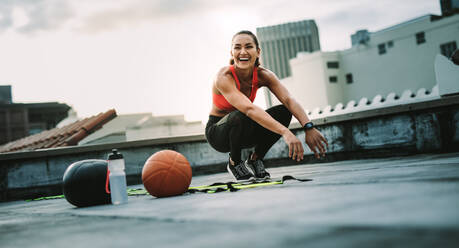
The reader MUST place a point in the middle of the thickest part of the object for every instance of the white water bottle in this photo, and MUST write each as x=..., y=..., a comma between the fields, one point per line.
x=117, y=177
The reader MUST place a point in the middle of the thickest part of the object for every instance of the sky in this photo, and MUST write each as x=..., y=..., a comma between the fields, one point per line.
x=157, y=56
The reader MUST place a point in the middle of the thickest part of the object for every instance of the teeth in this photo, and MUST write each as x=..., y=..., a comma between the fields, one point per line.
x=244, y=59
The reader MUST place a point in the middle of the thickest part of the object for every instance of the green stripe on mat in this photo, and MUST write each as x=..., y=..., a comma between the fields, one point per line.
x=213, y=188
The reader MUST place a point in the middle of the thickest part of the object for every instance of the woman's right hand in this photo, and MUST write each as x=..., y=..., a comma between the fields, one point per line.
x=295, y=148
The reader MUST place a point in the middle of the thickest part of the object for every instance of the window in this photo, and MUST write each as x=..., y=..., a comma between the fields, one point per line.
x=333, y=64
x=349, y=78
x=420, y=38
x=390, y=44
x=333, y=79
x=381, y=48
x=447, y=49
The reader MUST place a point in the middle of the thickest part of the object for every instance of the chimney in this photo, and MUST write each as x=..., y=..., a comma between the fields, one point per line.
x=5, y=94
x=449, y=7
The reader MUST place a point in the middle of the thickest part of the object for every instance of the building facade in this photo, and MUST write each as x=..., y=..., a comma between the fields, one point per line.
x=394, y=59
x=18, y=120
x=280, y=43
x=141, y=126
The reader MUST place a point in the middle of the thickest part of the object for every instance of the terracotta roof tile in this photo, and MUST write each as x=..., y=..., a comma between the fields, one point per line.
x=68, y=135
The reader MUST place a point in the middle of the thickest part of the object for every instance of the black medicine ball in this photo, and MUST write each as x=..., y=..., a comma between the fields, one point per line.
x=84, y=183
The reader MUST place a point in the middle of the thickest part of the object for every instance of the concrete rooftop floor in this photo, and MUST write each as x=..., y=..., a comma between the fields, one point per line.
x=393, y=202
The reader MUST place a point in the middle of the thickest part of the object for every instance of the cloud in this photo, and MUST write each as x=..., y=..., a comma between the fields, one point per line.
x=105, y=15
x=42, y=14
x=134, y=12
x=362, y=14
x=356, y=19
x=6, y=19
x=92, y=16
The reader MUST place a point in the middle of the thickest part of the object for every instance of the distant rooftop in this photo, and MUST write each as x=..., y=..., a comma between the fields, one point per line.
x=5, y=94
x=363, y=35
x=411, y=21
x=68, y=135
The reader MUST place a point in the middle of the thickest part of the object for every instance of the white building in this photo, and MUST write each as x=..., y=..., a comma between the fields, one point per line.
x=140, y=126
x=394, y=59
x=155, y=127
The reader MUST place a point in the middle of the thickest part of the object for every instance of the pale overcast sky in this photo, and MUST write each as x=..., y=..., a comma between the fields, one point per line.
x=157, y=56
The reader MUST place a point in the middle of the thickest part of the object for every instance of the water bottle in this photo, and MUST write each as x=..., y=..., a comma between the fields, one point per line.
x=118, y=188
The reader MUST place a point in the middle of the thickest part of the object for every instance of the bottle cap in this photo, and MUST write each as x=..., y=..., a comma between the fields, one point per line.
x=115, y=155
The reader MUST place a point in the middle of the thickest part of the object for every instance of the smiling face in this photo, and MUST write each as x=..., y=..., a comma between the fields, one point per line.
x=244, y=51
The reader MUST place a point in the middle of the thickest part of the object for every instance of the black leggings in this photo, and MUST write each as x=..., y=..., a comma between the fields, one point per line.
x=235, y=131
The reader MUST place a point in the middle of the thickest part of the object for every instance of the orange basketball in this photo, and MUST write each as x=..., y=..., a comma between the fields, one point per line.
x=166, y=173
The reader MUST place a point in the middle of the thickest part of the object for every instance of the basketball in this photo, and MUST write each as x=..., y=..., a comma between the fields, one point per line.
x=166, y=173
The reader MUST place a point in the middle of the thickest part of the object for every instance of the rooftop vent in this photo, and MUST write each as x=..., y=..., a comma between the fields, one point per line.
x=5, y=94
x=360, y=37
x=449, y=7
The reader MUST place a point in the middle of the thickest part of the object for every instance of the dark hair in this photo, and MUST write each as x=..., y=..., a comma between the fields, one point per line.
x=257, y=62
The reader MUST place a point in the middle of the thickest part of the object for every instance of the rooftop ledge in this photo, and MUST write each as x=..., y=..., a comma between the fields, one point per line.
x=390, y=110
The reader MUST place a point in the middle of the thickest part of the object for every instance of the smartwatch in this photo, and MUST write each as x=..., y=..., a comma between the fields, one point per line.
x=308, y=126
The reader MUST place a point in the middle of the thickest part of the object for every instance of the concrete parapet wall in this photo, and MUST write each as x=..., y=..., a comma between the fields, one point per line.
x=421, y=127
x=378, y=102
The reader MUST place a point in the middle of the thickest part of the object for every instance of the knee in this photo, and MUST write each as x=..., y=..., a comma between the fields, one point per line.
x=236, y=118
x=284, y=115
x=284, y=110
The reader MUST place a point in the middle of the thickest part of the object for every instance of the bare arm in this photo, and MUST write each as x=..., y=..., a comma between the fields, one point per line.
x=313, y=138
x=285, y=98
x=243, y=104
x=226, y=86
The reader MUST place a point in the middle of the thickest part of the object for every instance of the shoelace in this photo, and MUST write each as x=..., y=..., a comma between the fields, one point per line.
x=241, y=170
x=259, y=167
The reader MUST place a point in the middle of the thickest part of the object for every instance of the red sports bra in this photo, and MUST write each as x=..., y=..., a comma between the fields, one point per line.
x=221, y=102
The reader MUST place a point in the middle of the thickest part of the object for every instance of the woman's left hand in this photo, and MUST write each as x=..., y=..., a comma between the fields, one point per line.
x=316, y=142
